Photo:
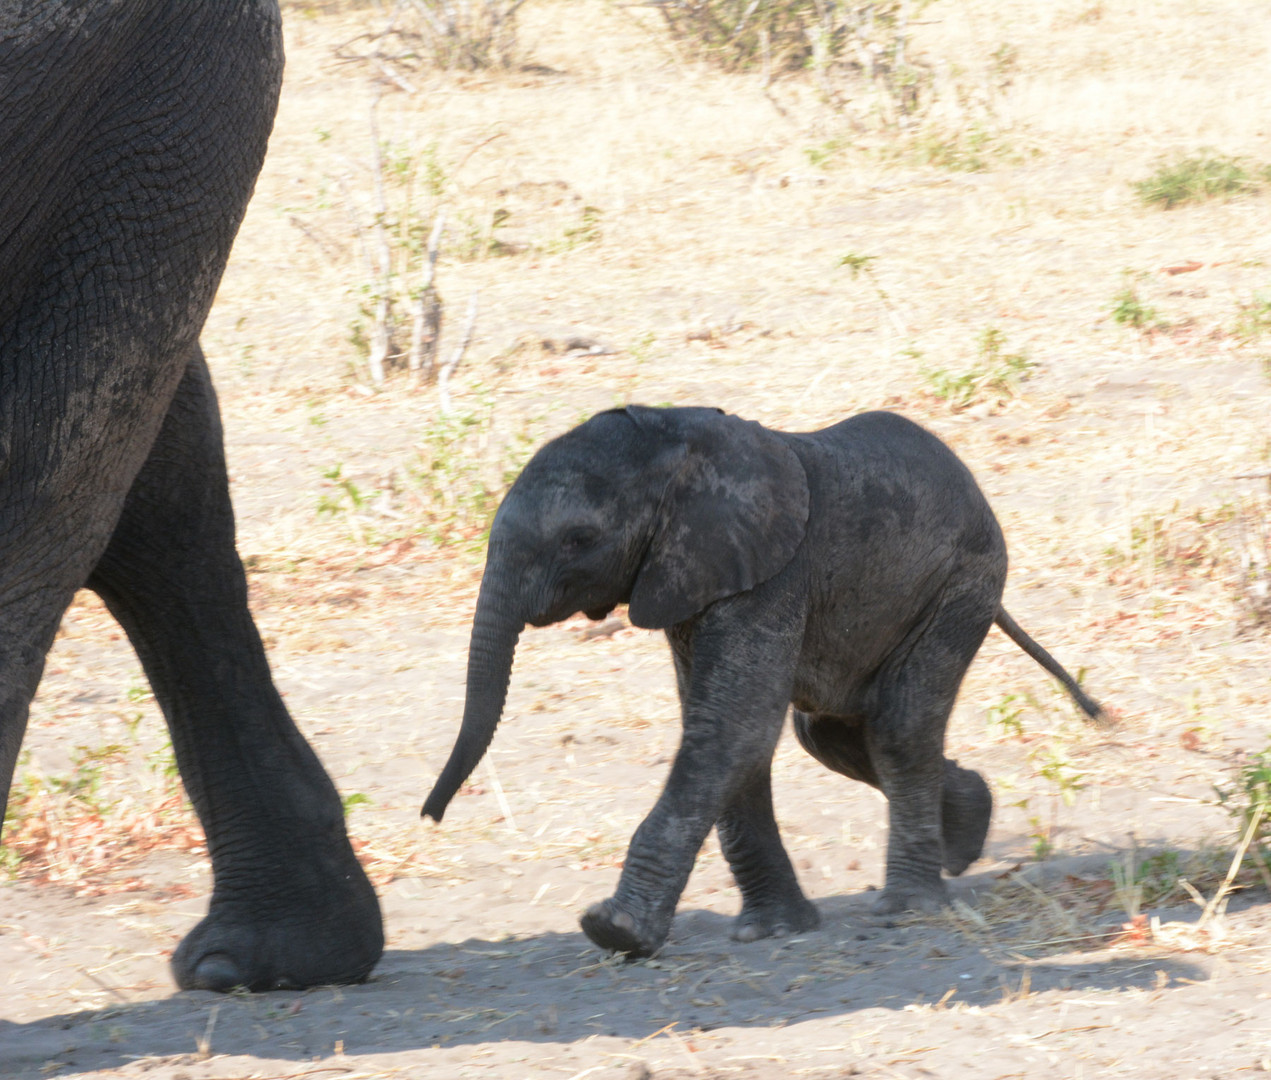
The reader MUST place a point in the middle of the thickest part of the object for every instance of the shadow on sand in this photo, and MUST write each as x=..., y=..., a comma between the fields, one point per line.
x=556, y=988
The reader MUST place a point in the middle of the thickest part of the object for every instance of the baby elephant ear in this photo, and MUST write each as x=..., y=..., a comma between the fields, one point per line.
x=732, y=516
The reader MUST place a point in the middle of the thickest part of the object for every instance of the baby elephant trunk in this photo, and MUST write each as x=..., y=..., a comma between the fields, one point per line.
x=495, y=631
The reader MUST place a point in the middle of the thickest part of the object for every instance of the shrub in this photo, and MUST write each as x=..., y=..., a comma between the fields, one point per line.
x=468, y=35
x=788, y=35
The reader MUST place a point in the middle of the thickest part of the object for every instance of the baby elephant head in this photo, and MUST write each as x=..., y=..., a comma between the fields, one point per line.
x=666, y=510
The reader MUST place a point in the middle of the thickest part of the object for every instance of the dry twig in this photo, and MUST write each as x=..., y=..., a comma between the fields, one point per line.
x=448, y=368
x=426, y=325
x=381, y=331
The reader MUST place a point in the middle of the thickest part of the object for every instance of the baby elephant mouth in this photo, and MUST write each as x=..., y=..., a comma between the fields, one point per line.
x=557, y=612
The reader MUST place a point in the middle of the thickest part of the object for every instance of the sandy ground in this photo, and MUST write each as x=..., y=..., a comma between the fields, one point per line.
x=1128, y=471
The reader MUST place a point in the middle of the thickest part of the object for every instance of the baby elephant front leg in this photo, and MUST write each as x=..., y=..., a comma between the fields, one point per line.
x=637, y=918
x=711, y=768
x=734, y=683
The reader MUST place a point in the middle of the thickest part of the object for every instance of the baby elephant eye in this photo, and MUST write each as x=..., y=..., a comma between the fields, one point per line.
x=577, y=541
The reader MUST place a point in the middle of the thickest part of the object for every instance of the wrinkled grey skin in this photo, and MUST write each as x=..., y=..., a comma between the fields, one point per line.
x=131, y=135
x=852, y=572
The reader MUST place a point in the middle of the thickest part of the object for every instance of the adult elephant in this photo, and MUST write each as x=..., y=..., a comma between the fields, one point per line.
x=852, y=572
x=130, y=136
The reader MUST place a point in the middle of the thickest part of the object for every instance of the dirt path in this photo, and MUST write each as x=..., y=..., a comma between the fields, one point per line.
x=1126, y=467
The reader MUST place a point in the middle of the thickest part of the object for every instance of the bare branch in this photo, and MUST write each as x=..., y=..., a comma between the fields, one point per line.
x=381, y=333
x=359, y=232
x=330, y=249
x=426, y=326
x=448, y=368
x=392, y=76
x=378, y=350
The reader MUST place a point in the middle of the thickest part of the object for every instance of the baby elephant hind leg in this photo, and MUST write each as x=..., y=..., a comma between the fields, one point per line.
x=966, y=808
x=905, y=739
x=966, y=805
x=773, y=905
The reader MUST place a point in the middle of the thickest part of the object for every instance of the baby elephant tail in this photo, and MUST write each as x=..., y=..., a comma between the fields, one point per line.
x=1016, y=633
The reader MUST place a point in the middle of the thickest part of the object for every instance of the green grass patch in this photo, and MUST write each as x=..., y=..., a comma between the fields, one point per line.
x=1254, y=319
x=1129, y=308
x=1205, y=175
x=995, y=375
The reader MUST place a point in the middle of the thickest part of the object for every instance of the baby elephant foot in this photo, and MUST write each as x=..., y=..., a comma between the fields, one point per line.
x=926, y=899
x=775, y=920
x=612, y=927
x=965, y=810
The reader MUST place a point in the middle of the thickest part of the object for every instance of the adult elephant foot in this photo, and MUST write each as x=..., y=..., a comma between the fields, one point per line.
x=966, y=809
x=923, y=899
x=756, y=921
x=290, y=905
x=326, y=929
x=613, y=927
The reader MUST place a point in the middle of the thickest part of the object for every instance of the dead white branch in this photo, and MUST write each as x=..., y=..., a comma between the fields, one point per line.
x=426, y=325
x=364, y=247
x=381, y=331
x=448, y=368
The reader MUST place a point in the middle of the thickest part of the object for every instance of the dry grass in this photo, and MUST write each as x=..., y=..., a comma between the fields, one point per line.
x=793, y=257
x=714, y=274
x=723, y=212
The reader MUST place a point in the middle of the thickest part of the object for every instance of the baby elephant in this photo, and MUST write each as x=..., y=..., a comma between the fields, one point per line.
x=852, y=572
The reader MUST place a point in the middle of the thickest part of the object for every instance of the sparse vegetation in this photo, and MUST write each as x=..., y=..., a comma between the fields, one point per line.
x=856, y=263
x=399, y=249
x=587, y=231
x=364, y=509
x=1205, y=175
x=1159, y=878
x=348, y=496
x=1129, y=309
x=461, y=474
x=1053, y=765
x=1247, y=797
x=85, y=828
x=353, y=800
x=970, y=150
x=463, y=35
x=448, y=491
x=992, y=379
x=1255, y=317
x=820, y=155
x=1007, y=715
x=1229, y=544
x=792, y=35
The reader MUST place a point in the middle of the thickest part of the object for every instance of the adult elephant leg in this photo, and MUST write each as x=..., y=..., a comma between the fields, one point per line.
x=734, y=694
x=905, y=741
x=27, y=631
x=966, y=804
x=290, y=905
x=47, y=545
